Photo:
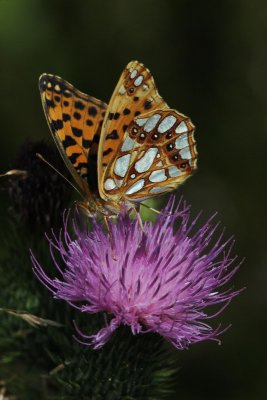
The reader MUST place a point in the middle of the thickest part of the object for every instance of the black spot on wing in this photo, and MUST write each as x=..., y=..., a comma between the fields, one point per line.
x=116, y=115
x=68, y=141
x=50, y=103
x=77, y=132
x=148, y=104
x=126, y=111
x=79, y=105
x=65, y=117
x=92, y=111
x=89, y=122
x=106, y=152
x=77, y=115
x=59, y=124
x=73, y=157
x=113, y=135
x=87, y=143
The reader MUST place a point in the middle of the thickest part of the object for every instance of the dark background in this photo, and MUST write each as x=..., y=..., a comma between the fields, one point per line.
x=209, y=60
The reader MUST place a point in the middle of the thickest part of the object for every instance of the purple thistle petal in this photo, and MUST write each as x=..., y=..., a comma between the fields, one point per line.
x=101, y=337
x=158, y=279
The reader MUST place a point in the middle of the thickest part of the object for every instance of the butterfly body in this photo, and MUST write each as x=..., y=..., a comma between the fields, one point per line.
x=119, y=154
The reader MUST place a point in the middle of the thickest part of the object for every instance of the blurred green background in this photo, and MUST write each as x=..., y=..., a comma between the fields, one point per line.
x=209, y=60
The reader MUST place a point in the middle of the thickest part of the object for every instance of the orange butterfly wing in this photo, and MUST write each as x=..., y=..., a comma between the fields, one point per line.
x=75, y=120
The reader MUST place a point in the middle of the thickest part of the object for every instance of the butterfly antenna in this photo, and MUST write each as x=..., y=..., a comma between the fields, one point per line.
x=59, y=173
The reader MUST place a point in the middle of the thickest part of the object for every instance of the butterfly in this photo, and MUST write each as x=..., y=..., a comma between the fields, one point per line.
x=131, y=149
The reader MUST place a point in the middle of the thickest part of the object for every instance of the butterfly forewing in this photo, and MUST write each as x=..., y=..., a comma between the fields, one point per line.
x=135, y=94
x=75, y=121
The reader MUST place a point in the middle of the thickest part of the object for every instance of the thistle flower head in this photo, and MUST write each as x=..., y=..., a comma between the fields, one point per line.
x=42, y=194
x=156, y=279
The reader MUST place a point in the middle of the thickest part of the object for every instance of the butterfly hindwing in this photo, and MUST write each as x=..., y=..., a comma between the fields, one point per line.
x=154, y=150
x=134, y=94
x=75, y=121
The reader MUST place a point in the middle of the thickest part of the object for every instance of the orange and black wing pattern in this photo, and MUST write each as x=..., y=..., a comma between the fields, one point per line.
x=75, y=120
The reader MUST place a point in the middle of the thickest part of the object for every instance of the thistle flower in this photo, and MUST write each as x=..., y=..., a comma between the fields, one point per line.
x=41, y=193
x=156, y=279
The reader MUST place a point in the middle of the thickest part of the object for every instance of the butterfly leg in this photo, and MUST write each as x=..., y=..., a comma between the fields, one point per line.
x=106, y=222
x=138, y=217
